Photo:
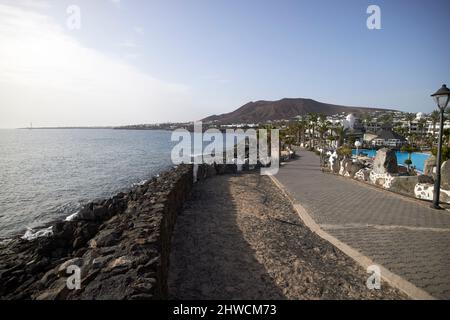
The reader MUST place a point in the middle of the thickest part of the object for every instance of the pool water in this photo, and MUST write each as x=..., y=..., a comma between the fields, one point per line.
x=417, y=158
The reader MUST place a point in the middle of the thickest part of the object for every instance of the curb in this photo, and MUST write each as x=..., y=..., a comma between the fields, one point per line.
x=391, y=278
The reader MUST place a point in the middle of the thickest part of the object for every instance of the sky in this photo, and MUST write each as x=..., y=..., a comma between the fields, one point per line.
x=147, y=61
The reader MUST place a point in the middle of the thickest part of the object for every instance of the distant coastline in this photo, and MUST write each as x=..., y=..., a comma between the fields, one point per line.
x=186, y=126
x=65, y=128
x=91, y=128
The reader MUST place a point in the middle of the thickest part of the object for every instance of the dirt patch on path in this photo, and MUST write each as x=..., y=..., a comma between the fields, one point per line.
x=239, y=238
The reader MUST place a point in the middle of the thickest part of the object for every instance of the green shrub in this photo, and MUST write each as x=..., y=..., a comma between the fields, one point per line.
x=408, y=148
x=408, y=162
x=445, y=153
x=344, y=151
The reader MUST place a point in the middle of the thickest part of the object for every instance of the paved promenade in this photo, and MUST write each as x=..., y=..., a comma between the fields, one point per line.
x=401, y=234
x=238, y=237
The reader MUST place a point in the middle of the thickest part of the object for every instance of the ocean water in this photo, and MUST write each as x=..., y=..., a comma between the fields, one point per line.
x=46, y=175
x=417, y=158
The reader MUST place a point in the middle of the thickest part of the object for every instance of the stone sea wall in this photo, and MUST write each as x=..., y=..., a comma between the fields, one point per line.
x=121, y=245
x=385, y=173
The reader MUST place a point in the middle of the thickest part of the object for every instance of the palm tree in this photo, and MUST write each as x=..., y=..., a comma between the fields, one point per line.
x=288, y=136
x=322, y=118
x=421, y=125
x=340, y=133
x=400, y=130
x=303, y=125
x=323, y=128
x=387, y=119
x=313, y=118
x=366, y=118
x=410, y=150
x=410, y=117
x=434, y=117
x=330, y=139
x=447, y=114
x=296, y=131
x=412, y=138
x=446, y=134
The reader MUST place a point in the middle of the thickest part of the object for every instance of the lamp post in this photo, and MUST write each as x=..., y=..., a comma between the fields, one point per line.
x=441, y=97
x=358, y=144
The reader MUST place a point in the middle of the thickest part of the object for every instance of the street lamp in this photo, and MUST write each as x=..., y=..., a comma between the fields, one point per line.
x=358, y=144
x=442, y=97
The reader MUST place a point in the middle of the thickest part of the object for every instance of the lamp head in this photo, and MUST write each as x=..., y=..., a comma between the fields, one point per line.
x=442, y=97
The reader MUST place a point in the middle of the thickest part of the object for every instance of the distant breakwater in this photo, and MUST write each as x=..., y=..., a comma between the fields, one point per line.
x=121, y=245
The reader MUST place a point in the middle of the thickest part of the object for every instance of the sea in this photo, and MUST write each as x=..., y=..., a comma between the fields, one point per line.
x=48, y=174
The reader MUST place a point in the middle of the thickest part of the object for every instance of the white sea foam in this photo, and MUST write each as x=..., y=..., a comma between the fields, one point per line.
x=30, y=234
x=140, y=183
x=72, y=216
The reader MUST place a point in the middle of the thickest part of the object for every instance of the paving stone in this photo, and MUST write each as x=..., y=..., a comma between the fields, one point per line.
x=384, y=226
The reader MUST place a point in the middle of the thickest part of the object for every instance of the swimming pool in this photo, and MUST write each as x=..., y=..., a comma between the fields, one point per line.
x=417, y=158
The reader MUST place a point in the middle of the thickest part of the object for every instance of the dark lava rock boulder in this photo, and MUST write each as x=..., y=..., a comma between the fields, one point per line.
x=346, y=163
x=426, y=179
x=385, y=162
x=353, y=168
x=404, y=184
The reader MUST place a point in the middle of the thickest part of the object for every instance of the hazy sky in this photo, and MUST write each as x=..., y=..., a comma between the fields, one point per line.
x=140, y=61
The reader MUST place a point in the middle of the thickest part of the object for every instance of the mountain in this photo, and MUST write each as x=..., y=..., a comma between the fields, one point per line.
x=285, y=109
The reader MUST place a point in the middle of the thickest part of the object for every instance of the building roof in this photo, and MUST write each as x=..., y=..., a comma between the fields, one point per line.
x=353, y=132
x=388, y=134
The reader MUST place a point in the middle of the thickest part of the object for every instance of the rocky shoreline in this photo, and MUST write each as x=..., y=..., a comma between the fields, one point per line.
x=121, y=245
